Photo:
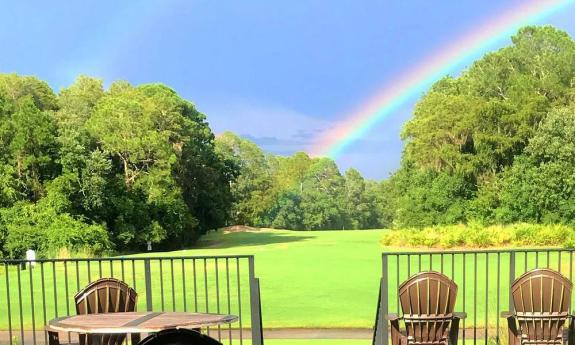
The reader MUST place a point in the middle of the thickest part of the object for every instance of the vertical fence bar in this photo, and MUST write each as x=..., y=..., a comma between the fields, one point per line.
x=162, y=299
x=44, y=298
x=6, y=267
x=397, y=276
x=184, y=292
x=512, y=275
x=229, y=296
x=474, y=298
x=20, y=304
x=464, y=294
x=173, y=285
x=206, y=291
x=255, y=306
x=32, y=302
x=134, y=274
x=148, y=278
x=196, y=285
x=77, y=276
x=498, y=294
x=218, y=296
x=54, y=286
x=383, y=338
x=239, y=298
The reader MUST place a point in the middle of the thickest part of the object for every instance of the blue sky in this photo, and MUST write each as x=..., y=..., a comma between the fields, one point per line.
x=277, y=72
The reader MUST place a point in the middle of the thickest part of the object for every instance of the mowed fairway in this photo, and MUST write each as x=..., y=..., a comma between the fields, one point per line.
x=326, y=279
x=330, y=279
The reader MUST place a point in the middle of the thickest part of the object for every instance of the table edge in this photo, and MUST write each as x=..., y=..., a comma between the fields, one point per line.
x=50, y=327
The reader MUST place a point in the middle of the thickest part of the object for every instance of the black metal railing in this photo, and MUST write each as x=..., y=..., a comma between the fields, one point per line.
x=484, y=278
x=32, y=293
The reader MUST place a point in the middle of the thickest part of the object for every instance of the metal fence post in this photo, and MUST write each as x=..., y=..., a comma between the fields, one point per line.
x=255, y=306
x=382, y=329
x=512, y=276
x=148, y=278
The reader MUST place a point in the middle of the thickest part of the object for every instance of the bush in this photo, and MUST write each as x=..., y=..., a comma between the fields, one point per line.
x=28, y=226
x=478, y=236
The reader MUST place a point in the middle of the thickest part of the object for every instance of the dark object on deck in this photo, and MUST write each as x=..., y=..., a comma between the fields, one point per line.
x=542, y=299
x=105, y=295
x=427, y=300
x=179, y=337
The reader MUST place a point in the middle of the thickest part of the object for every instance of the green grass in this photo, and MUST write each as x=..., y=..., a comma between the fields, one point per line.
x=308, y=279
x=311, y=279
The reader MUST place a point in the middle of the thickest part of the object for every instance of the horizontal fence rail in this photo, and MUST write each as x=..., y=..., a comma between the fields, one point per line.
x=484, y=279
x=34, y=292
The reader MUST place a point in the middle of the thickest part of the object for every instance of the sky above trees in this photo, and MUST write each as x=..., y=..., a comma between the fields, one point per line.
x=276, y=72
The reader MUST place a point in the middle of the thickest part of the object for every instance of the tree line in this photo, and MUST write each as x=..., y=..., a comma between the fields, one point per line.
x=495, y=145
x=298, y=192
x=93, y=169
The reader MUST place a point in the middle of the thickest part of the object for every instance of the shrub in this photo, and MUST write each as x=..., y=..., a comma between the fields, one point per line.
x=478, y=236
x=28, y=226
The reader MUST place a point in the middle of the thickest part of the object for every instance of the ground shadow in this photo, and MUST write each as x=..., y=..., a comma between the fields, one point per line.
x=248, y=239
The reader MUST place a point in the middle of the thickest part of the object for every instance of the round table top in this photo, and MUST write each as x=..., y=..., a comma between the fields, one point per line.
x=136, y=322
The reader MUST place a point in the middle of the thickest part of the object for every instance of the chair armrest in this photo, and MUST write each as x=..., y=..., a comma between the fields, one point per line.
x=507, y=314
x=460, y=315
x=392, y=317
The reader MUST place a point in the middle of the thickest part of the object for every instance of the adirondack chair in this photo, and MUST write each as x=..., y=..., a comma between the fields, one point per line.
x=179, y=337
x=542, y=299
x=427, y=301
x=105, y=295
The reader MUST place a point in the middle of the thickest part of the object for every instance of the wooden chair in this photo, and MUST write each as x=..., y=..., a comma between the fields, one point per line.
x=427, y=301
x=542, y=299
x=105, y=295
x=179, y=337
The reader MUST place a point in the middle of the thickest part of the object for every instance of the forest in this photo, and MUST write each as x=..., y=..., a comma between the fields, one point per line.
x=97, y=170
x=89, y=170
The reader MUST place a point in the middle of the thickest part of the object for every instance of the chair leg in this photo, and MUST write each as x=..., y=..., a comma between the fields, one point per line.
x=395, y=332
x=454, y=331
x=53, y=338
x=135, y=338
x=513, y=333
x=571, y=332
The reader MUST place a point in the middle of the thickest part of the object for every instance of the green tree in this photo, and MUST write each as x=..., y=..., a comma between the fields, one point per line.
x=252, y=187
x=540, y=187
x=322, y=196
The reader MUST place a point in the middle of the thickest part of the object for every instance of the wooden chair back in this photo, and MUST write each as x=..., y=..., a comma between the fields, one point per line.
x=542, y=299
x=427, y=301
x=105, y=295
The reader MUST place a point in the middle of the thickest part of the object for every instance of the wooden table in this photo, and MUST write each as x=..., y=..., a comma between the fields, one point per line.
x=133, y=323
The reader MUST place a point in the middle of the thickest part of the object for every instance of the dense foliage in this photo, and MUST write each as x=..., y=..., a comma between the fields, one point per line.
x=298, y=192
x=496, y=144
x=93, y=169
x=478, y=236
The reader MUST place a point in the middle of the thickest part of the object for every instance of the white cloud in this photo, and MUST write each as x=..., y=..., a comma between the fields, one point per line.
x=276, y=129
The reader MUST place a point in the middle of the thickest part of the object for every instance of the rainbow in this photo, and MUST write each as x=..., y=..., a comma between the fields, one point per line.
x=412, y=84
